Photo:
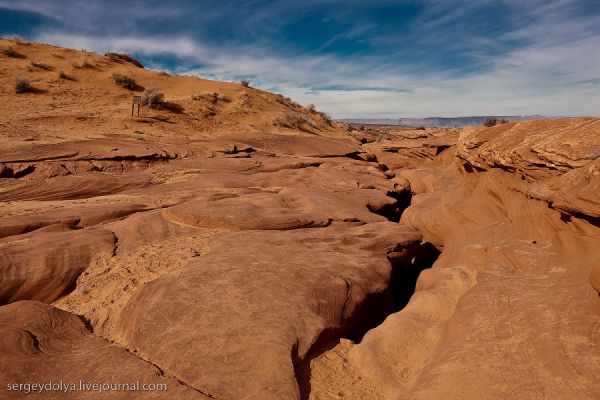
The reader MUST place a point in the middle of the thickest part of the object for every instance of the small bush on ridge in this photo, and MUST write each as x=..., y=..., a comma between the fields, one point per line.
x=326, y=118
x=152, y=97
x=293, y=119
x=41, y=65
x=63, y=75
x=9, y=52
x=493, y=121
x=117, y=57
x=123, y=80
x=22, y=85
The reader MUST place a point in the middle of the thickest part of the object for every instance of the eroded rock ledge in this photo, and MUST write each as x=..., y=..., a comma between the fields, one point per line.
x=511, y=308
x=222, y=273
x=264, y=266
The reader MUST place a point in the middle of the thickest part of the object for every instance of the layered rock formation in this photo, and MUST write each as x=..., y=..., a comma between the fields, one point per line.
x=510, y=308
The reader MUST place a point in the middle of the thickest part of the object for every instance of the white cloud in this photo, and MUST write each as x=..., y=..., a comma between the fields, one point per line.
x=554, y=71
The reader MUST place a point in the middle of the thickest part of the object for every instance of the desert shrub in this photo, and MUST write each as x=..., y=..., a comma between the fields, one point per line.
x=123, y=80
x=245, y=83
x=504, y=121
x=9, y=52
x=84, y=64
x=17, y=39
x=282, y=99
x=490, y=121
x=63, y=75
x=40, y=65
x=127, y=57
x=112, y=56
x=311, y=108
x=293, y=119
x=22, y=85
x=326, y=118
x=152, y=97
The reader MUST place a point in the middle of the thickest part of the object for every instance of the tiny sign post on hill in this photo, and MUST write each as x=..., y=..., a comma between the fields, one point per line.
x=136, y=100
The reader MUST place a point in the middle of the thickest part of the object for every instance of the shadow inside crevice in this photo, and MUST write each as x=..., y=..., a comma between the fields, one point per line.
x=407, y=265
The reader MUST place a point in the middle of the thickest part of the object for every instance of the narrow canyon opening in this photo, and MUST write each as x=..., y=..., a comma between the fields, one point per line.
x=372, y=312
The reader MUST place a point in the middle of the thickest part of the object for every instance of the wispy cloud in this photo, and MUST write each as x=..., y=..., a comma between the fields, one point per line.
x=444, y=59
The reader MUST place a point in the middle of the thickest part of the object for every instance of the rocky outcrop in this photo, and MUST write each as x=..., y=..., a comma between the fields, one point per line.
x=257, y=302
x=507, y=310
x=44, y=265
x=44, y=345
x=275, y=253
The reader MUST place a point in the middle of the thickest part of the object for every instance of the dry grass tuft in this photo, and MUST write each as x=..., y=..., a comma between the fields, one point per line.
x=124, y=81
x=63, y=75
x=84, y=64
x=325, y=117
x=127, y=57
x=10, y=52
x=152, y=97
x=296, y=120
x=41, y=65
x=493, y=121
x=22, y=85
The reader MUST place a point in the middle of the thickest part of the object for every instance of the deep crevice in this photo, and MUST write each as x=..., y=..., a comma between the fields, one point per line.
x=566, y=218
x=393, y=212
x=407, y=265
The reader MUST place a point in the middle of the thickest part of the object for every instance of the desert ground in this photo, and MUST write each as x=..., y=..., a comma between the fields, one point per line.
x=239, y=245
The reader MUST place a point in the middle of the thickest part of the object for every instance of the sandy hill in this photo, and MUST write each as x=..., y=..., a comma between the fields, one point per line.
x=213, y=254
x=87, y=103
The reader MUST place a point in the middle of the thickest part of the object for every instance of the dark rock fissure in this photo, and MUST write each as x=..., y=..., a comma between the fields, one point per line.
x=407, y=265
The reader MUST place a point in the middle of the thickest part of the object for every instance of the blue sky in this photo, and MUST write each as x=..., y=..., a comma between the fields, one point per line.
x=362, y=59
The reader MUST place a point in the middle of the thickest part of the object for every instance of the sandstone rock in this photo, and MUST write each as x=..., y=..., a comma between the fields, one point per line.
x=44, y=266
x=42, y=344
x=284, y=290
